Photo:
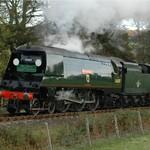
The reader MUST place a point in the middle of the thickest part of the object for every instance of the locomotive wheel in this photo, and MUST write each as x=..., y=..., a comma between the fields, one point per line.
x=141, y=101
x=93, y=106
x=62, y=106
x=27, y=108
x=11, y=110
x=78, y=107
x=108, y=102
x=131, y=101
x=13, y=107
x=51, y=107
x=125, y=102
x=136, y=100
x=36, y=107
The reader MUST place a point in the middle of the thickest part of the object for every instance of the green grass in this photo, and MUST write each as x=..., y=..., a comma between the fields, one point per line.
x=130, y=143
x=71, y=134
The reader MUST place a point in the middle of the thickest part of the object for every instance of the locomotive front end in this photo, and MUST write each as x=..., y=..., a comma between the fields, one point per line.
x=22, y=78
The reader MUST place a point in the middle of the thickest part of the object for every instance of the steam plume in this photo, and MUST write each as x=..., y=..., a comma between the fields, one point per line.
x=95, y=15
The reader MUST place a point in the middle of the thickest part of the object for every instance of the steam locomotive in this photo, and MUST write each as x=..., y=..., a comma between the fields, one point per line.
x=40, y=78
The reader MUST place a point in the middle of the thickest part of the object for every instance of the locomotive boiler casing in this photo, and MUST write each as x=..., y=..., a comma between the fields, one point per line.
x=66, y=69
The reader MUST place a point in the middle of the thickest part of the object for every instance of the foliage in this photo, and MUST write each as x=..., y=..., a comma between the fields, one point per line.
x=111, y=44
x=4, y=58
x=142, y=46
x=17, y=22
x=118, y=42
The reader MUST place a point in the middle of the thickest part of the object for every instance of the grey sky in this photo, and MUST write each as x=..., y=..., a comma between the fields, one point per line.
x=95, y=14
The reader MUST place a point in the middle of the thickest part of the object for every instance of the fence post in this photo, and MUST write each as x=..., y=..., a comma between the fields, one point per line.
x=95, y=128
x=49, y=137
x=88, y=131
x=116, y=126
x=140, y=122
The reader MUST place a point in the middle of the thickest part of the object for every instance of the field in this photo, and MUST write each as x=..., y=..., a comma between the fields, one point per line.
x=124, y=130
x=129, y=143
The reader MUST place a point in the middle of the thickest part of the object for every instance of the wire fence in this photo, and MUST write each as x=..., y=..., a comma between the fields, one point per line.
x=63, y=134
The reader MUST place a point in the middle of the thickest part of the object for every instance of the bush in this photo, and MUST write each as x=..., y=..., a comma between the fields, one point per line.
x=4, y=58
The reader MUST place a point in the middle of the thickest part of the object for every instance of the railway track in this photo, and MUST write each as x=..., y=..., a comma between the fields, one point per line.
x=6, y=119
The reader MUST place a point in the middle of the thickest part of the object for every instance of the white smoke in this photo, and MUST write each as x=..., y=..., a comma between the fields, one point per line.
x=95, y=15
x=71, y=43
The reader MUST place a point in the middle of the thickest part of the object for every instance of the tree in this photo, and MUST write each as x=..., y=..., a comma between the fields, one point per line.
x=142, y=47
x=141, y=41
x=17, y=20
x=109, y=43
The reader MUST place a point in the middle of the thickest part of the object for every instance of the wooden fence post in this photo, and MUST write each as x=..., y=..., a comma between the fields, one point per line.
x=116, y=126
x=140, y=122
x=49, y=137
x=95, y=127
x=88, y=131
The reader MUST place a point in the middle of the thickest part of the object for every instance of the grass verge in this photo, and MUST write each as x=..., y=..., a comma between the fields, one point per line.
x=71, y=134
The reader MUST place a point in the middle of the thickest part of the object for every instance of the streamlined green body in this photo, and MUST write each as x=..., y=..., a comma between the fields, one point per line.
x=74, y=70
x=56, y=79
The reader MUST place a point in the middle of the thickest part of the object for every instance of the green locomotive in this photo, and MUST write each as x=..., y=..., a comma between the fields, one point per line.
x=40, y=78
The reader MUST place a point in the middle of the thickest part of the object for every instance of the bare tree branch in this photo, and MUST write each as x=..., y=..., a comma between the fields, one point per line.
x=17, y=15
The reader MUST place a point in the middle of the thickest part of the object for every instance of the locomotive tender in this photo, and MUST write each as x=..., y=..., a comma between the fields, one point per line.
x=40, y=78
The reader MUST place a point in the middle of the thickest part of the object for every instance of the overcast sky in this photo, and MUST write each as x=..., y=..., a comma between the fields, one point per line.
x=95, y=14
